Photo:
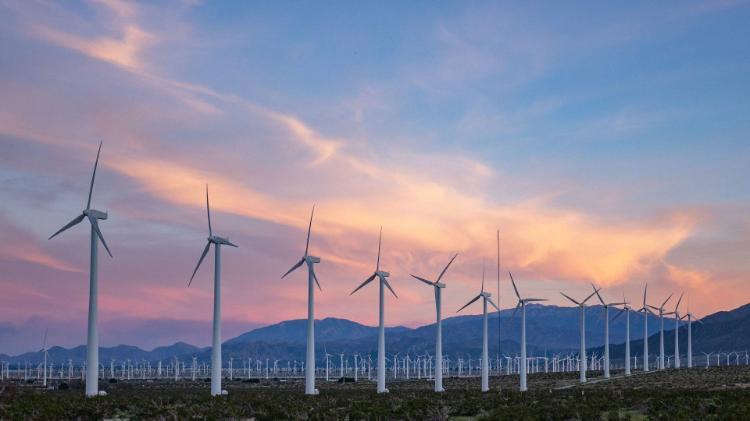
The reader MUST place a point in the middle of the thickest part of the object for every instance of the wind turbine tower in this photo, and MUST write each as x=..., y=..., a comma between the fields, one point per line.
x=522, y=303
x=216, y=343
x=311, y=277
x=582, y=321
x=485, y=351
x=92, y=342
x=383, y=278
x=437, y=286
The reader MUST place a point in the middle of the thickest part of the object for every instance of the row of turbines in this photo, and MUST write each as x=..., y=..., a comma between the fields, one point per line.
x=337, y=367
x=92, y=349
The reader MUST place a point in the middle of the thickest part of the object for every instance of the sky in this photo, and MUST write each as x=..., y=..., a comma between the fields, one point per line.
x=606, y=141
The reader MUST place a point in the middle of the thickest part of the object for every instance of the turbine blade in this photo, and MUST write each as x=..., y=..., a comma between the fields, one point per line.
x=576, y=302
x=528, y=300
x=645, y=288
x=367, y=281
x=309, y=228
x=596, y=291
x=298, y=264
x=622, y=310
x=514, y=285
x=597, y=294
x=446, y=268
x=498, y=263
x=203, y=256
x=315, y=277
x=229, y=243
x=516, y=310
x=423, y=280
x=678, y=302
x=95, y=227
x=470, y=302
x=489, y=300
x=208, y=212
x=385, y=281
x=380, y=239
x=77, y=220
x=699, y=321
x=93, y=176
x=665, y=301
x=482, y=290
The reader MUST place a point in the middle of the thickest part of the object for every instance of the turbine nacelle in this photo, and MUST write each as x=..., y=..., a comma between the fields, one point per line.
x=382, y=274
x=438, y=285
x=215, y=239
x=96, y=214
x=312, y=259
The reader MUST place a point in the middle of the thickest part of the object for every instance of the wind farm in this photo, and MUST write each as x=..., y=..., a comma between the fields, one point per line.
x=595, y=152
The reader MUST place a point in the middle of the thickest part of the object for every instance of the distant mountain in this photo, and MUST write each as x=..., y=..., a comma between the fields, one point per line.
x=549, y=329
x=724, y=331
x=295, y=331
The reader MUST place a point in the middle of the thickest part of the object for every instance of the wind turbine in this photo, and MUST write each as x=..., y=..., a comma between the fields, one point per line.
x=676, y=313
x=382, y=277
x=661, y=331
x=216, y=344
x=485, y=352
x=689, y=317
x=645, y=310
x=626, y=310
x=582, y=319
x=606, y=328
x=522, y=303
x=92, y=342
x=438, y=286
x=44, y=350
x=311, y=261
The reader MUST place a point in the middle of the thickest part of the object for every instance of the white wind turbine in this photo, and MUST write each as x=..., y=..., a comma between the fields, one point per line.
x=485, y=352
x=645, y=310
x=626, y=310
x=44, y=350
x=216, y=343
x=606, y=329
x=661, y=331
x=311, y=277
x=92, y=342
x=382, y=277
x=582, y=322
x=438, y=286
x=677, y=319
x=522, y=303
x=689, y=316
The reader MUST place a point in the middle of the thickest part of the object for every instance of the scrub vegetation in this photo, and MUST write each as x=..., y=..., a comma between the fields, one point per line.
x=698, y=393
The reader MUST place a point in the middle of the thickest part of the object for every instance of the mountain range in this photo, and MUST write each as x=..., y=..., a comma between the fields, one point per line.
x=550, y=329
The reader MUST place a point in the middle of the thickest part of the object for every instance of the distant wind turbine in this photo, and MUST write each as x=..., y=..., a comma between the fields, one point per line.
x=689, y=316
x=606, y=328
x=522, y=303
x=310, y=358
x=438, y=286
x=92, y=342
x=661, y=331
x=44, y=350
x=677, y=319
x=216, y=344
x=485, y=352
x=582, y=322
x=646, y=311
x=382, y=277
x=626, y=309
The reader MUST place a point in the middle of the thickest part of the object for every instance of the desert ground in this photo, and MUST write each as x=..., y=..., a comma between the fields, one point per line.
x=698, y=393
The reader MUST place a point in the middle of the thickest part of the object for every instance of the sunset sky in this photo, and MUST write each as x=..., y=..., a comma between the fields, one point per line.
x=607, y=141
